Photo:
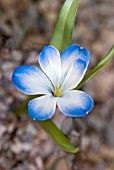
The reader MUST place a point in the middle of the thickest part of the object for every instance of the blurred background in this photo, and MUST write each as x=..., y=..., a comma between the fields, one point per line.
x=25, y=27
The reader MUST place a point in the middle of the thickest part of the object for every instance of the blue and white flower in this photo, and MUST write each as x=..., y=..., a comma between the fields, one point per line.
x=60, y=74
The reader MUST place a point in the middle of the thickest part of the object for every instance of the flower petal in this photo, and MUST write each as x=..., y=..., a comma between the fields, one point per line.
x=69, y=55
x=30, y=80
x=42, y=108
x=49, y=60
x=75, y=103
x=75, y=74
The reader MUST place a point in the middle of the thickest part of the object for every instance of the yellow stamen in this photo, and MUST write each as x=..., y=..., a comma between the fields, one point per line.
x=57, y=92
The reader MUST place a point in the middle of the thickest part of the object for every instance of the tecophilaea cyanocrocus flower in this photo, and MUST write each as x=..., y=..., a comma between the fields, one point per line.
x=60, y=74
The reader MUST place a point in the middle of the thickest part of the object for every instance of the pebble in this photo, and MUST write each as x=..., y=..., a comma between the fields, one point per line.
x=16, y=55
x=3, y=106
x=67, y=125
x=31, y=129
x=16, y=147
x=3, y=129
x=39, y=163
x=7, y=66
x=61, y=164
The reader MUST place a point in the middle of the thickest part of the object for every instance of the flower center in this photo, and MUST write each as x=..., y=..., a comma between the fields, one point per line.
x=57, y=92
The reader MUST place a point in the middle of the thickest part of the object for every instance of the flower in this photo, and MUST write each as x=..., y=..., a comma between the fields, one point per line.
x=60, y=74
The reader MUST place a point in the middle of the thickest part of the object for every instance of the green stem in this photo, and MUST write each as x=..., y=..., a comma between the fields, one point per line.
x=97, y=68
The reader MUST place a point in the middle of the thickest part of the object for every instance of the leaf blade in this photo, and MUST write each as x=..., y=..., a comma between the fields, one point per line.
x=62, y=36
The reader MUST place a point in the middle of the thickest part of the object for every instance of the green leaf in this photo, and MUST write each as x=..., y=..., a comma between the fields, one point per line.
x=62, y=36
x=97, y=68
x=58, y=136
